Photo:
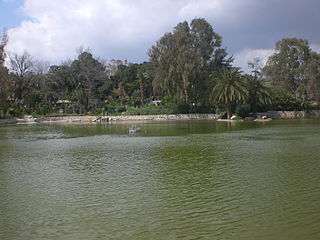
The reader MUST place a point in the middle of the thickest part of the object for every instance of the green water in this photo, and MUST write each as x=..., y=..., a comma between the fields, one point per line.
x=173, y=180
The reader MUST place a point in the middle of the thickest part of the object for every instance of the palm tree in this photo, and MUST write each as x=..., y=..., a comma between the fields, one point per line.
x=229, y=88
x=258, y=92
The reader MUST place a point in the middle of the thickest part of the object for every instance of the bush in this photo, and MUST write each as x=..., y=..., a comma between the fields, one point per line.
x=243, y=111
x=182, y=108
x=150, y=109
x=285, y=101
x=19, y=112
x=114, y=108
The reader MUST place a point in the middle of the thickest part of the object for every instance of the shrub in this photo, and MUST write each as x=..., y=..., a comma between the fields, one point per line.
x=150, y=109
x=114, y=108
x=243, y=111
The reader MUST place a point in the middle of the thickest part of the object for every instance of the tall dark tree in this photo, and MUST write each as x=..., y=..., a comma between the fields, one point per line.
x=144, y=76
x=257, y=92
x=182, y=60
x=21, y=68
x=229, y=88
x=89, y=74
x=62, y=82
x=40, y=97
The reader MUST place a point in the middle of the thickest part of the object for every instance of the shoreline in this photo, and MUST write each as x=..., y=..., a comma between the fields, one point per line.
x=108, y=119
x=127, y=118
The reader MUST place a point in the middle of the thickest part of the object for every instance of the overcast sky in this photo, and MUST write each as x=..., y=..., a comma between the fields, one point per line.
x=51, y=30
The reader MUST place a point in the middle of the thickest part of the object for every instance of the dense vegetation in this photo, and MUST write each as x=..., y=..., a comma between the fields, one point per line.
x=188, y=72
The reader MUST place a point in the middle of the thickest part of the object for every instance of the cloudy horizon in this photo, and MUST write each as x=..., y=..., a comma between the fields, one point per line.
x=120, y=29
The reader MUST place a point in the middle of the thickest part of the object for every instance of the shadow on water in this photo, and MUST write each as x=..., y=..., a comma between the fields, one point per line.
x=148, y=128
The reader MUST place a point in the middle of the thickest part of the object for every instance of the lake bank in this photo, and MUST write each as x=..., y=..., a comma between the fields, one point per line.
x=95, y=119
x=210, y=116
x=88, y=119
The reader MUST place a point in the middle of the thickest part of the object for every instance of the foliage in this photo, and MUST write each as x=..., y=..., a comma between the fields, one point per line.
x=21, y=67
x=150, y=109
x=287, y=67
x=257, y=92
x=111, y=108
x=183, y=60
x=243, y=111
x=229, y=88
x=61, y=82
x=313, y=76
x=285, y=101
x=89, y=74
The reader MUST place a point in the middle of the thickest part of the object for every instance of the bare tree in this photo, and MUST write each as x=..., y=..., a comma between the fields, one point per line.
x=21, y=67
x=4, y=79
x=4, y=40
x=255, y=65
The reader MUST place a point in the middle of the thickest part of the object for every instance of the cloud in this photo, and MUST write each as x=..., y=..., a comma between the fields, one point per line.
x=315, y=47
x=113, y=28
x=200, y=8
x=243, y=57
x=126, y=29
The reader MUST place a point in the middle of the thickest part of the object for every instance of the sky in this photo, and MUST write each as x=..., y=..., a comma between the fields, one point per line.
x=125, y=29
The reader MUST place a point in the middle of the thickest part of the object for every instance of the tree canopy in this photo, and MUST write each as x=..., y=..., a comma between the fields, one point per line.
x=183, y=60
x=229, y=88
x=292, y=70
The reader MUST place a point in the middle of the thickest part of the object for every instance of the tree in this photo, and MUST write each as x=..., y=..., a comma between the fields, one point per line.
x=255, y=66
x=257, y=92
x=286, y=67
x=4, y=78
x=62, y=82
x=229, y=88
x=113, y=65
x=21, y=68
x=144, y=76
x=182, y=61
x=40, y=97
x=313, y=76
x=90, y=74
x=3, y=43
x=4, y=91
x=126, y=81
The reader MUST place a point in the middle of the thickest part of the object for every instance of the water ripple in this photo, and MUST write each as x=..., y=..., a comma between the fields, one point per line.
x=203, y=182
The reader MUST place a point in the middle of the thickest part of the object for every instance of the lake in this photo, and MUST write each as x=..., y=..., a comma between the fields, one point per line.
x=173, y=180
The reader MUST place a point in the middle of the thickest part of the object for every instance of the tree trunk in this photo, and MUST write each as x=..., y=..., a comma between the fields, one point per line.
x=229, y=110
x=86, y=104
x=254, y=109
x=142, y=94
